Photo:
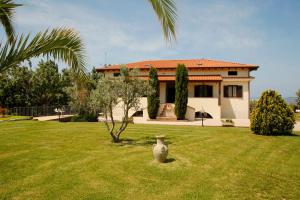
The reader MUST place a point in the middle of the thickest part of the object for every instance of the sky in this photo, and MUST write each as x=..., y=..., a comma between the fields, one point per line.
x=264, y=33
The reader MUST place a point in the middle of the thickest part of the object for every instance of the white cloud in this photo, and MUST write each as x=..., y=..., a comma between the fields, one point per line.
x=99, y=32
x=220, y=25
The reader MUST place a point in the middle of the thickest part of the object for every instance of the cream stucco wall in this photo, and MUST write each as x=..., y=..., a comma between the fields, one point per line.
x=162, y=92
x=223, y=73
x=235, y=108
x=209, y=105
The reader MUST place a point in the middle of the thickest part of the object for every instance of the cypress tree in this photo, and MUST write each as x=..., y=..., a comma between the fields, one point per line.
x=181, y=91
x=153, y=98
x=272, y=115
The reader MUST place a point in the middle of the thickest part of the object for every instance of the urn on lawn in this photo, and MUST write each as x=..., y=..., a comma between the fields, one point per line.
x=160, y=149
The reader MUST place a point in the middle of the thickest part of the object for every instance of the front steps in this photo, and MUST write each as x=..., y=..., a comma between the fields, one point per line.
x=167, y=113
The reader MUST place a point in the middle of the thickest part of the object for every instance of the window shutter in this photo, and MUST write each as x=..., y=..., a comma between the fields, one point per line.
x=225, y=91
x=239, y=91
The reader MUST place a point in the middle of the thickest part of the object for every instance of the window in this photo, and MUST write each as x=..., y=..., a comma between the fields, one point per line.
x=203, y=91
x=232, y=73
x=117, y=74
x=233, y=91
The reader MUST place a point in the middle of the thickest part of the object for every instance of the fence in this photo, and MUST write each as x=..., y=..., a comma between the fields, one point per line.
x=37, y=111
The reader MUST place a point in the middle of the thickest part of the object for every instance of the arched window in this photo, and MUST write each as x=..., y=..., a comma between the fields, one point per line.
x=203, y=91
x=202, y=114
x=138, y=114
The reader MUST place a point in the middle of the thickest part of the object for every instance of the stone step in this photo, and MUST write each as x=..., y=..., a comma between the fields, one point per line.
x=166, y=119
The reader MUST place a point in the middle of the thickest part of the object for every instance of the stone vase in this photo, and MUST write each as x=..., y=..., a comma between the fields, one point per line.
x=160, y=149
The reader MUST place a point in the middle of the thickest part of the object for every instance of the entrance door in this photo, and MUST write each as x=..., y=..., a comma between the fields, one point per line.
x=170, y=92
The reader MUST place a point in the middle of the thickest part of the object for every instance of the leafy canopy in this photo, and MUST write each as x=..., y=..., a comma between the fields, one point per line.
x=123, y=92
x=272, y=115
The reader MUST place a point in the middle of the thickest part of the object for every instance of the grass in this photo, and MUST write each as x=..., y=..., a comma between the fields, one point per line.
x=12, y=117
x=52, y=160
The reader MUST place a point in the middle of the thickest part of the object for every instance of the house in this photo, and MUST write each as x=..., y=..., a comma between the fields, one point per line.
x=216, y=89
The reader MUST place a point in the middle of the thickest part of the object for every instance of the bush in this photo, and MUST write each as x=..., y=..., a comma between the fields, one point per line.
x=153, y=98
x=181, y=91
x=272, y=115
x=85, y=118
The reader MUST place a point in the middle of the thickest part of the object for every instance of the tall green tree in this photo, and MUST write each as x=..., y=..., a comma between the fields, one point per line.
x=153, y=98
x=48, y=87
x=181, y=91
x=16, y=87
x=61, y=43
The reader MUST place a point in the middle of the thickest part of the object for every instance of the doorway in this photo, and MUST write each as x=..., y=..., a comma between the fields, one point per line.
x=170, y=92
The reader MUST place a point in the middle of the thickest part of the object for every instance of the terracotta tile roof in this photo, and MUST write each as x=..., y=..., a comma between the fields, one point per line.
x=193, y=63
x=191, y=78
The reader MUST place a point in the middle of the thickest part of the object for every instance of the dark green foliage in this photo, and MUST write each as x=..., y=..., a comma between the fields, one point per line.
x=181, y=91
x=48, y=85
x=16, y=87
x=272, y=115
x=85, y=118
x=23, y=87
x=153, y=98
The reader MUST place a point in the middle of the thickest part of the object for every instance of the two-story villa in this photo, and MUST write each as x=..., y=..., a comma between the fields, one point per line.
x=217, y=88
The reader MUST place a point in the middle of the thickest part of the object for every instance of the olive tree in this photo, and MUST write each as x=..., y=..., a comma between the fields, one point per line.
x=125, y=92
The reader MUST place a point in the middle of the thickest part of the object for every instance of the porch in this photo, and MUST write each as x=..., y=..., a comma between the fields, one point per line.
x=203, y=96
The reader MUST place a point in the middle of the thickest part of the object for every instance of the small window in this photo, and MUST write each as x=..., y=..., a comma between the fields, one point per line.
x=232, y=73
x=233, y=91
x=117, y=74
x=203, y=91
x=138, y=114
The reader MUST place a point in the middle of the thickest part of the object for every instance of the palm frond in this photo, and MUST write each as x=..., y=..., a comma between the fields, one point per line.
x=167, y=14
x=7, y=8
x=62, y=44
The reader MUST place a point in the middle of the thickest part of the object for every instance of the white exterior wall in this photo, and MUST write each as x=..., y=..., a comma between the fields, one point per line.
x=209, y=105
x=162, y=92
x=234, y=107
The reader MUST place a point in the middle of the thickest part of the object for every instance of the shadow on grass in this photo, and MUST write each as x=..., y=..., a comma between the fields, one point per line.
x=144, y=141
x=280, y=134
x=169, y=160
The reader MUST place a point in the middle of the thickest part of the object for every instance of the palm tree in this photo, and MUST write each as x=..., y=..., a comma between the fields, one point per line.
x=167, y=13
x=62, y=43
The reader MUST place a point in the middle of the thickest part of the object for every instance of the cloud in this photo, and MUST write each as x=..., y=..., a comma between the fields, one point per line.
x=101, y=33
x=215, y=26
x=220, y=25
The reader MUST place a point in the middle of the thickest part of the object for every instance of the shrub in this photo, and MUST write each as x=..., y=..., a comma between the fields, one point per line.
x=181, y=91
x=85, y=118
x=153, y=98
x=272, y=115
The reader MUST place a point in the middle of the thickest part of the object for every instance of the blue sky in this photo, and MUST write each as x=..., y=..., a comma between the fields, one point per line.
x=265, y=33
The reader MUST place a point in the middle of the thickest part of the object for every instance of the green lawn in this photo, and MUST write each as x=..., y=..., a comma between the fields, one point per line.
x=11, y=117
x=52, y=160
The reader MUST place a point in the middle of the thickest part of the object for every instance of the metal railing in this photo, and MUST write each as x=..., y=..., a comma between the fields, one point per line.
x=38, y=111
